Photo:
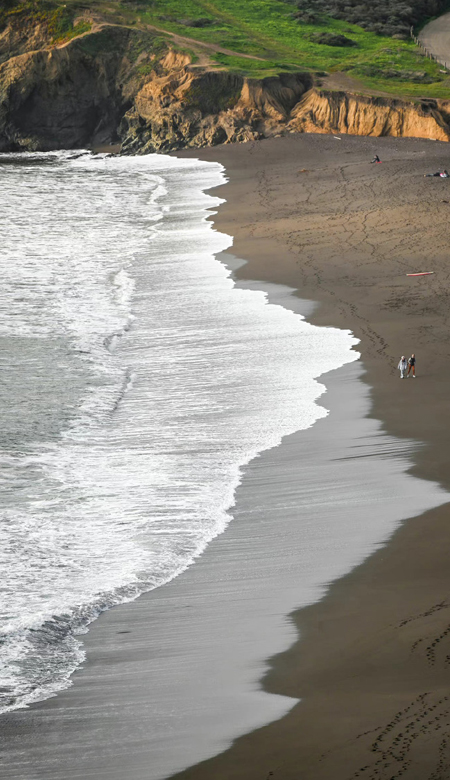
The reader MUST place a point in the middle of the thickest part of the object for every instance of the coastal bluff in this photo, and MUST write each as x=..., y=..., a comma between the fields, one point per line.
x=116, y=84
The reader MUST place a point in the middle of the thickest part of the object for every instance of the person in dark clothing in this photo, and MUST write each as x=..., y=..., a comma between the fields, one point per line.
x=412, y=366
x=375, y=159
x=441, y=174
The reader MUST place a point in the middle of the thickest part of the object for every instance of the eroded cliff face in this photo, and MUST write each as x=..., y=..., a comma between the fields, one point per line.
x=338, y=112
x=181, y=107
x=67, y=97
x=118, y=84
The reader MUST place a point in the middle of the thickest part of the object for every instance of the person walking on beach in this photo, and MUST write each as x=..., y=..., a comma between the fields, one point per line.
x=412, y=366
x=402, y=366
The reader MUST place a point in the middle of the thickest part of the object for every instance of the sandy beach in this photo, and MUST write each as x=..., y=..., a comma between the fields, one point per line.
x=372, y=666
x=358, y=682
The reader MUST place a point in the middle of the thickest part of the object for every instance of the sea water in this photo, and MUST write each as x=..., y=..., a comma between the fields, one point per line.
x=136, y=382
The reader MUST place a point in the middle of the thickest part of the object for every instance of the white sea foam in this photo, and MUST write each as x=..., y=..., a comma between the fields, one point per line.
x=139, y=382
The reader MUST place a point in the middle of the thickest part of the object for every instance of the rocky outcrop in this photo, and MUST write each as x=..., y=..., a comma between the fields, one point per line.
x=16, y=39
x=181, y=108
x=68, y=97
x=118, y=84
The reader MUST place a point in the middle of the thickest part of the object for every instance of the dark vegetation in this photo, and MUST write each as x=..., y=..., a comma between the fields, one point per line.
x=203, y=21
x=384, y=17
x=397, y=74
x=331, y=39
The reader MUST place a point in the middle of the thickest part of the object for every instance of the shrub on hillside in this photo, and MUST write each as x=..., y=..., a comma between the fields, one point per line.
x=331, y=39
x=307, y=17
x=416, y=76
x=386, y=17
x=202, y=22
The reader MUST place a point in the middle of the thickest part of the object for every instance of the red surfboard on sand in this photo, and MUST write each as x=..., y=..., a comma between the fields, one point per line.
x=423, y=273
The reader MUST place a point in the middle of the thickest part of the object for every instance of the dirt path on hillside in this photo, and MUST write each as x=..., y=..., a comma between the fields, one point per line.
x=343, y=82
x=201, y=48
x=183, y=40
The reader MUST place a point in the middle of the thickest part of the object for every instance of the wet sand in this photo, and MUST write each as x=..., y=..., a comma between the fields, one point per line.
x=372, y=667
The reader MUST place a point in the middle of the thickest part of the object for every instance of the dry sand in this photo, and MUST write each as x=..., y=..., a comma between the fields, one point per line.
x=373, y=664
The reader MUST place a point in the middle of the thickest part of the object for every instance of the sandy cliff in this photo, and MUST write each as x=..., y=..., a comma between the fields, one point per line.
x=325, y=112
x=121, y=84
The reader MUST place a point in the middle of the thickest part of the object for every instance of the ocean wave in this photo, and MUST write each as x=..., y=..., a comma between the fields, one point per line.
x=143, y=381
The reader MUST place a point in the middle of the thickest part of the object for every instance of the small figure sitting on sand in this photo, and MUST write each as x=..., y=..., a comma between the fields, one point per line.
x=412, y=366
x=376, y=159
x=403, y=365
x=442, y=174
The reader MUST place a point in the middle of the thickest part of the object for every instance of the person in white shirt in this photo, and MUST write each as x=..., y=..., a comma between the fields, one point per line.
x=402, y=366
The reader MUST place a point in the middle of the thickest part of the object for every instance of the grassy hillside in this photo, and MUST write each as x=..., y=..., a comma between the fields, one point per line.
x=279, y=35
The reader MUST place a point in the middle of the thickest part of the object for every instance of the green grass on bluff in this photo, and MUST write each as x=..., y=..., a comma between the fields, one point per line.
x=267, y=29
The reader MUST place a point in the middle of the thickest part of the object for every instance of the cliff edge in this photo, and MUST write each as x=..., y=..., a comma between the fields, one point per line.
x=116, y=84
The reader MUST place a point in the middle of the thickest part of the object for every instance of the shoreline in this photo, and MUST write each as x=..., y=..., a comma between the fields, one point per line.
x=57, y=714
x=228, y=612
x=109, y=697
x=371, y=664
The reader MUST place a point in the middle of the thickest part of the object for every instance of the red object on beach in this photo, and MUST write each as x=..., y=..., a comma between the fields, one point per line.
x=422, y=273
